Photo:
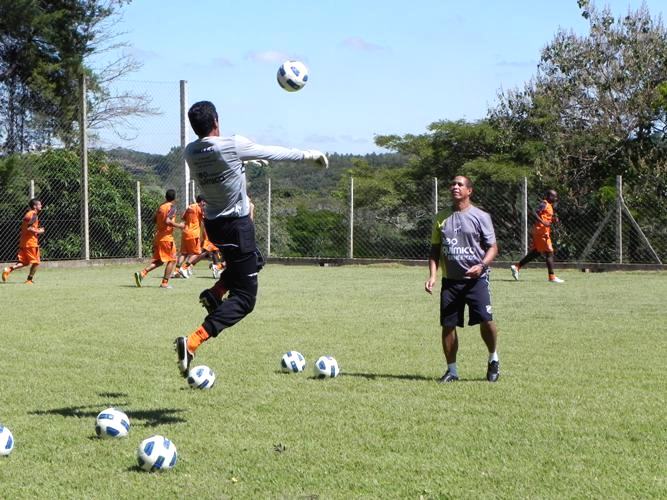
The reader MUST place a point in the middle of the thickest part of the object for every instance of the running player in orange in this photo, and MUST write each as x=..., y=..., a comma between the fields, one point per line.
x=28, y=244
x=164, y=250
x=191, y=248
x=541, y=243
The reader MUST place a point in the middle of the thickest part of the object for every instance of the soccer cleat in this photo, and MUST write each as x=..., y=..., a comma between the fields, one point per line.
x=556, y=279
x=448, y=377
x=29, y=282
x=515, y=272
x=209, y=300
x=184, y=356
x=138, y=278
x=189, y=271
x=183, y=272
x=216, y=272
x=493, y=371
x=5, y=273
x=166, y=287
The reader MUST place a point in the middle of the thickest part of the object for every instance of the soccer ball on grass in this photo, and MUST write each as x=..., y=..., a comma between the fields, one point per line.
x=292, y=362
x=112, y=423
x=292, y=75
x=326, y=367
x=6, y=441
x=156, y=453
x=201, y=377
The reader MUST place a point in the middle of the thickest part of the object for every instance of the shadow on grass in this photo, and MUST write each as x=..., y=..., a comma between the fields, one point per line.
x=149, y=418
x=402, y=376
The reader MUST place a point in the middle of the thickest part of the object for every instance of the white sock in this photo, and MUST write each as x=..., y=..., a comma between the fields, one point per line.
x=493, y=356
x=451, y=367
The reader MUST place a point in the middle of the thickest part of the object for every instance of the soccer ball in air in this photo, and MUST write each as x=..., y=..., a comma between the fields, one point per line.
x=6, y=441
x=112, y=423
x=292, y=362
x=201, y=377
x=292, y=75
x=156, y=453
x=326, y=366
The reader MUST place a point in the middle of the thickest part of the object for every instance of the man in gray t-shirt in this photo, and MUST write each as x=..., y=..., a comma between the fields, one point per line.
x=463, y=243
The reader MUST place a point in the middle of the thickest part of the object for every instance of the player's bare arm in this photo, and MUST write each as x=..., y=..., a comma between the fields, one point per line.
x=433, y=259
x=477, y=270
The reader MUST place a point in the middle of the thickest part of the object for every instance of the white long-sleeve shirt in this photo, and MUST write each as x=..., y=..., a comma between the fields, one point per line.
x=216, y=164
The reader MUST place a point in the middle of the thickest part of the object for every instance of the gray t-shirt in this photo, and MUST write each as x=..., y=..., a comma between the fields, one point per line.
x=465, y=237
x=216, y=164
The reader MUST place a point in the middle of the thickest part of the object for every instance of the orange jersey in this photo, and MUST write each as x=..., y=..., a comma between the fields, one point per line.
x=193, y=218
x=545, y=212
x=28, y=238
x=164, y=231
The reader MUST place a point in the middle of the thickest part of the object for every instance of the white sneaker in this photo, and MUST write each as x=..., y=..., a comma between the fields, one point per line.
x=556, y=279
x=515, y=272
x=216, y=272
x=183, y=272
x=189, y=271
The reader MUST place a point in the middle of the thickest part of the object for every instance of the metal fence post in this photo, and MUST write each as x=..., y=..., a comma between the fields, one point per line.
x=31, y=194
x=524, y=216
x=139, y=245
x=435, y=195
x=619, y=219
x=84, y=172
x=351, y=251
x=184, y=141
x=268, y=220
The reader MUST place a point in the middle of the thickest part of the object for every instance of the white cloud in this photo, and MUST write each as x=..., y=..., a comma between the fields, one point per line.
x=267, y=56
x=358, y=43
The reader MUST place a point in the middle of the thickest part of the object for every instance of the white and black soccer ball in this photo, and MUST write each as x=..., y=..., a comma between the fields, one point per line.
x=157, y=453
x=6, y=441
x=326, y=367
x=292, y=75
x=292, y=362
x=201, y=377
x=112, y=423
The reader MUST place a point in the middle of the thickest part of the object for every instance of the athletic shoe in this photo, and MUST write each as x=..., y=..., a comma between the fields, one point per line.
x=184, y=356
x=189, y=271
x=183, y=272
x=5, y=274
x=138, y=278
x=493, y=371
x=515, y=272
x=556, y=279
x=447, y=377
x=216, y=272
x=209, y=300
x=166, y=287
x=29, y=282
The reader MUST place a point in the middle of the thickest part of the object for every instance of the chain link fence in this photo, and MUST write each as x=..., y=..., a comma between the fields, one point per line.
x=125, y=186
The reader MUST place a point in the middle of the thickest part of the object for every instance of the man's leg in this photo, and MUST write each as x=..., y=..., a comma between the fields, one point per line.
x=31, y=273
x=10, y=269
x=490, y=337
x=550, y=269
x=168, y=270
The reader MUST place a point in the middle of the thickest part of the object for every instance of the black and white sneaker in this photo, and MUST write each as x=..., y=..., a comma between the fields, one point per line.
x=209, y=300
x=493, y=371
x=448, y=377
x=184, y=356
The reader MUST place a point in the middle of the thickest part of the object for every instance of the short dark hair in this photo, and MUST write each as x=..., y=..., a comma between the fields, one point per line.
x=199, y=198
x=170, y=195
x=33, y=202
x=468, y=182
x=202, y=116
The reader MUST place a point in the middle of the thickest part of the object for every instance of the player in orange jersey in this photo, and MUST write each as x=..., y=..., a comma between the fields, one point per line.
x=28, y=244
x=191, y=237
x=541, y=243
x=164, y=249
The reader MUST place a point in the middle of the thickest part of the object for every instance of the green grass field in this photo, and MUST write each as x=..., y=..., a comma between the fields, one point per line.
x=579, y=410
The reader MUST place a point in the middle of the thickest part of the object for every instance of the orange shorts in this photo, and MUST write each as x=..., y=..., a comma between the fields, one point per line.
x=209, y=247
x=164, y=251
x=191, y=246
x=542, y=240
x=28, y=255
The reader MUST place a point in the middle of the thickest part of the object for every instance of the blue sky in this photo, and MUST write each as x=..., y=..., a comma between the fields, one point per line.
x=376, y=66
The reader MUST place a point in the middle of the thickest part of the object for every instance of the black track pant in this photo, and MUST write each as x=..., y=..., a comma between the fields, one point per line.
x=236, y=240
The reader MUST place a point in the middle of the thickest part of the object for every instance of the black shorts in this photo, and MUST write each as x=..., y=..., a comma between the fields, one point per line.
x=235, y=237
x=455, y=294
